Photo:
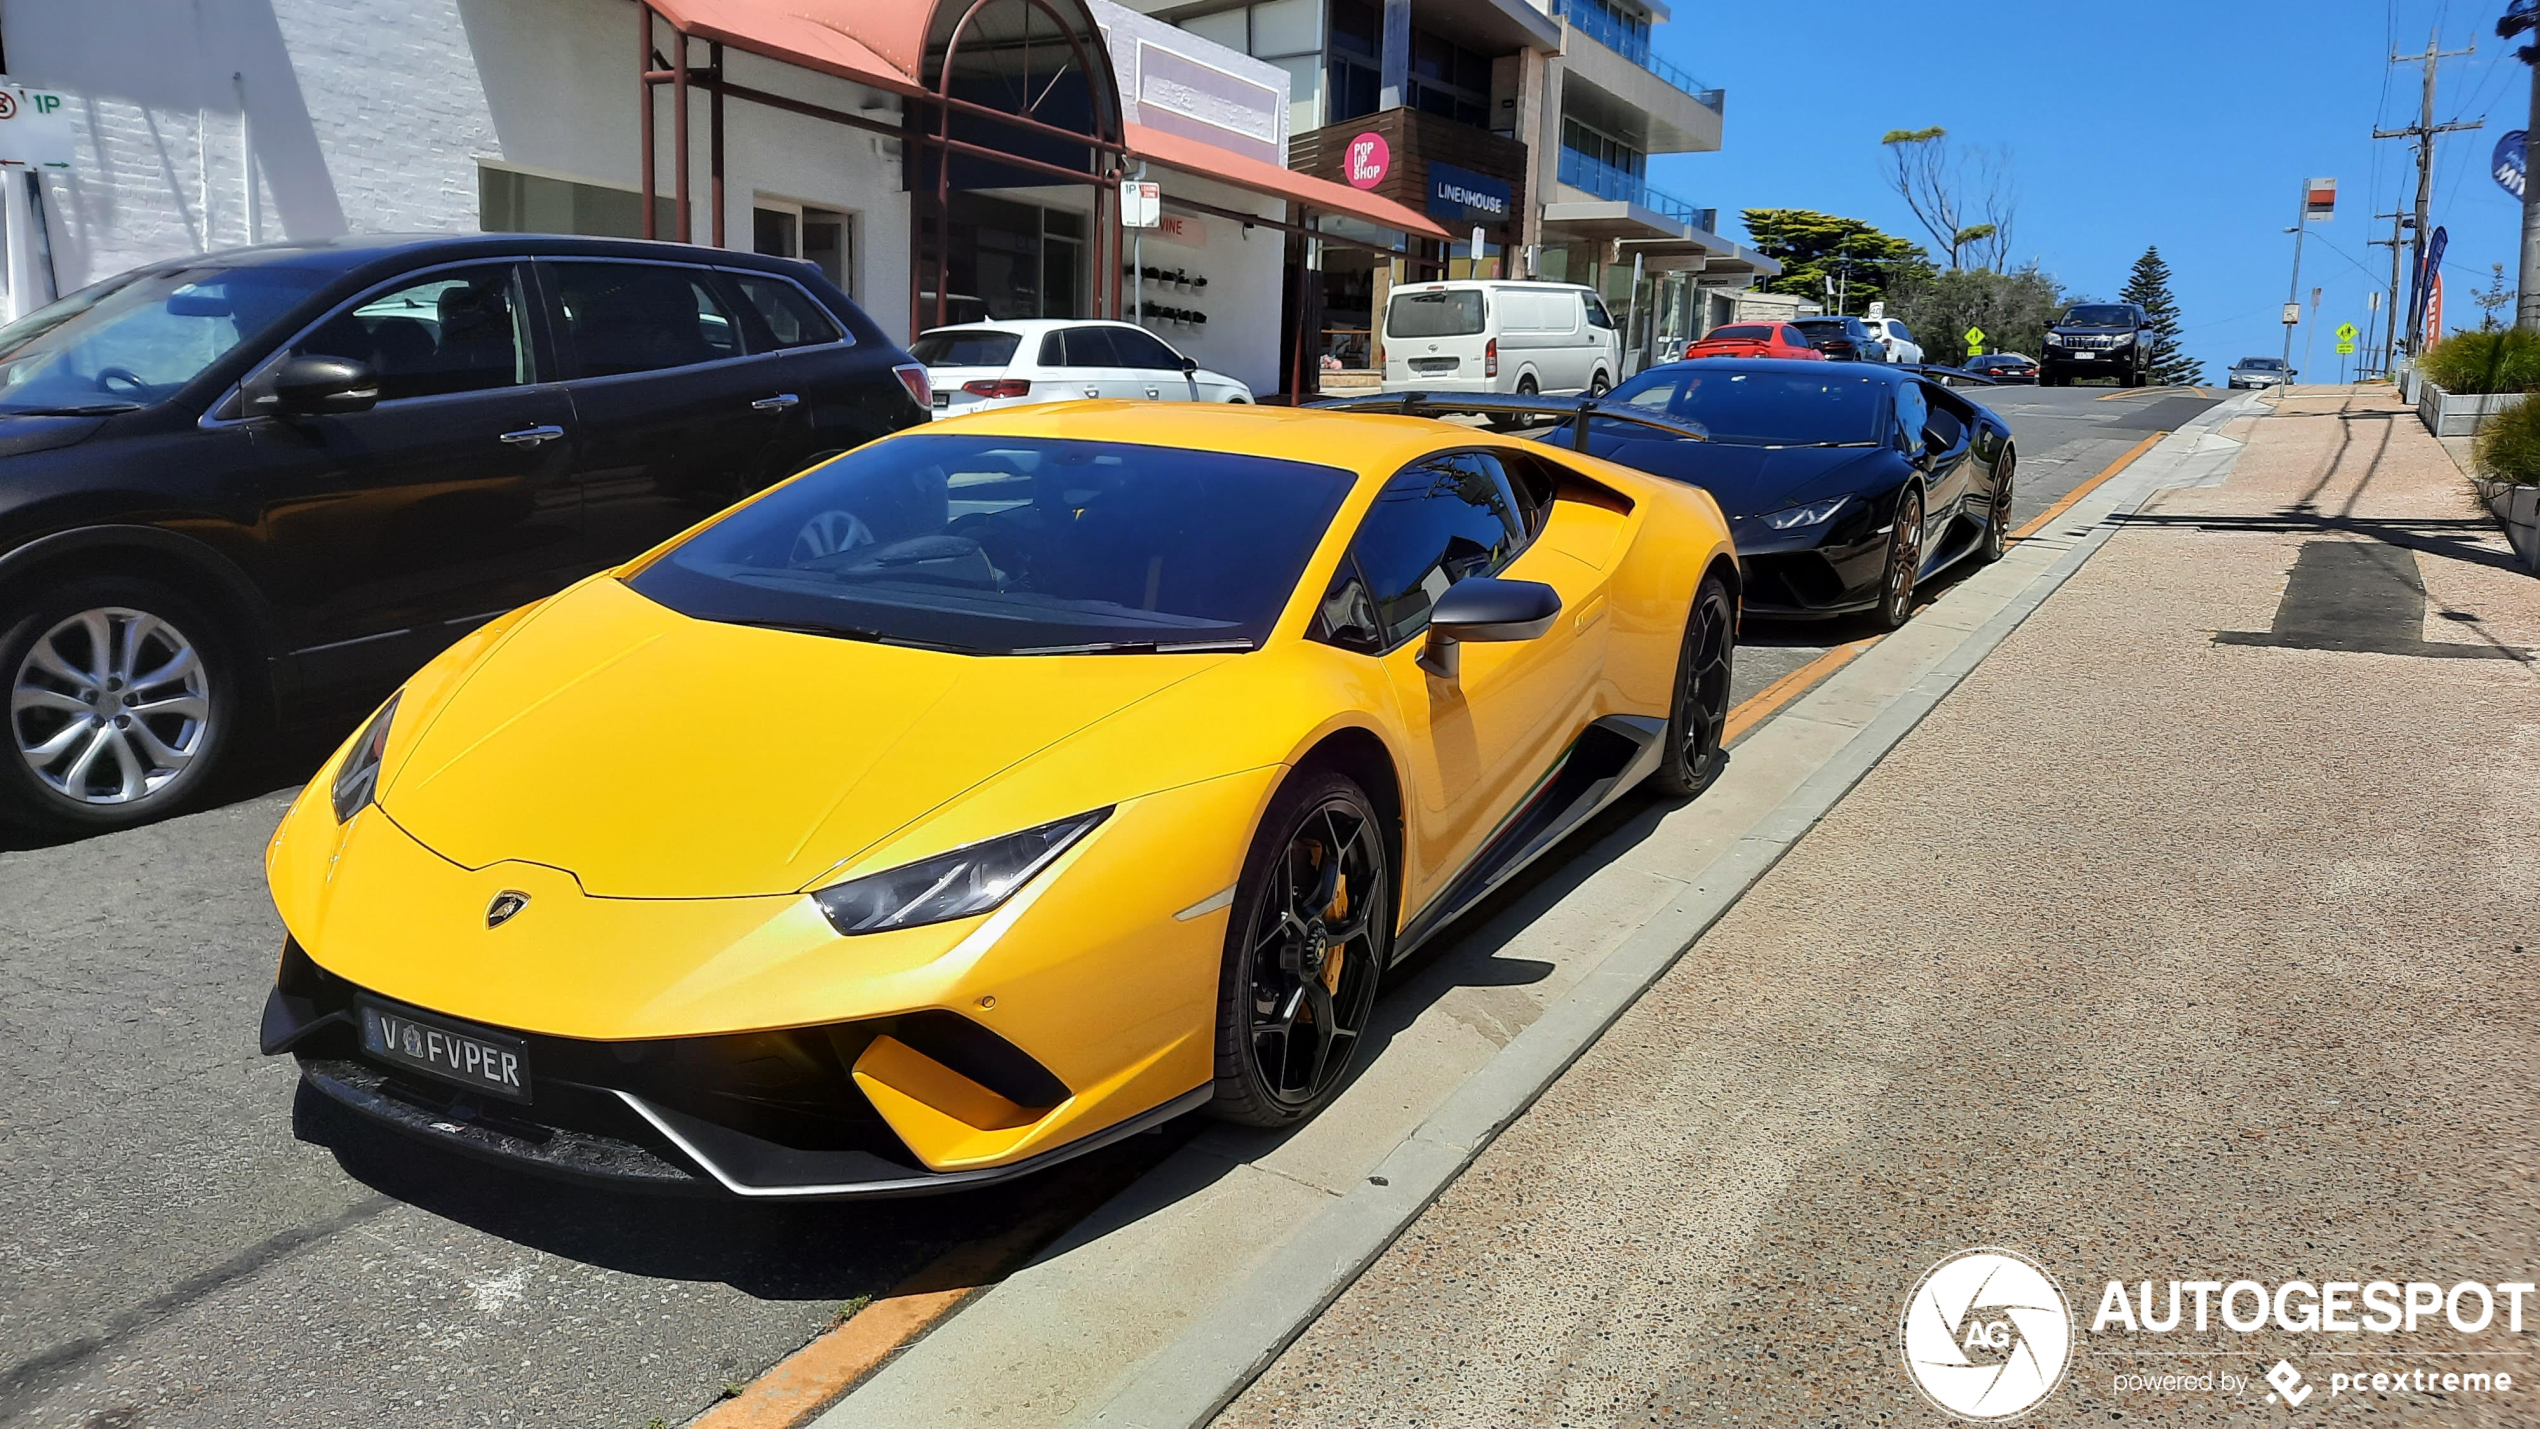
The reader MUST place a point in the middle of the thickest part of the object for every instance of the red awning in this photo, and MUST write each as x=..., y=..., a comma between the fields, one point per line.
x=873, y=44
x=1207, y=161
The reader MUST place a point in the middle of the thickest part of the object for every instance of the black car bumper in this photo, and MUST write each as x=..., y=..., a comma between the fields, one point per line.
x=1790, y=580
x=762, y=1115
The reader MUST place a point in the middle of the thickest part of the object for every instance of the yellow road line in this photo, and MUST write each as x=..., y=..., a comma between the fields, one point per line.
x=1768, y=701
x=813, y=1377
x=2032, y=527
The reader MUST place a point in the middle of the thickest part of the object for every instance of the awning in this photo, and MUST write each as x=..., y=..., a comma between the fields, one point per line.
x=880, y=45
x=1207, y=161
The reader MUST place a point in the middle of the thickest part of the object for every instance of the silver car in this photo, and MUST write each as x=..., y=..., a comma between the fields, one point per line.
x=2261, y=372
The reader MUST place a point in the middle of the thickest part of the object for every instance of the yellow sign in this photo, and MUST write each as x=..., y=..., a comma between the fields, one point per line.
x=1975, y=341
x=2346, y=332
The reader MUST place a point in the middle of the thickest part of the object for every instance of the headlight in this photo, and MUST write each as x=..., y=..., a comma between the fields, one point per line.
x=953, y=885
x=1811, y=515
x=357, y=783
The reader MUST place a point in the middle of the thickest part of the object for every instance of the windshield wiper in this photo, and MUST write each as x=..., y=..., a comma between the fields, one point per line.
x=1779, y=446
x=838, y=632
x=94, y=409
x=1141, y=647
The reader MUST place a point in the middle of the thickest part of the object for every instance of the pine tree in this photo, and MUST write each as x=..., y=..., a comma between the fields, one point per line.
x=2149, y=285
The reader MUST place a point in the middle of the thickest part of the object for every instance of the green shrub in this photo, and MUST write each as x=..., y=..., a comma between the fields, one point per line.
x=2508, y=447
x=2507, y=360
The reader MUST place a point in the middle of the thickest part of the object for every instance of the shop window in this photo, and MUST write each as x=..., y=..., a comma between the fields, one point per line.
x=1357, y=27
x=1356, y=89
x=508, y=201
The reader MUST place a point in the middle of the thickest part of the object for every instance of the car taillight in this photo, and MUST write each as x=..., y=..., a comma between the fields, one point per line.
x=913, y=377
x=997, y=387
x=1490, y=358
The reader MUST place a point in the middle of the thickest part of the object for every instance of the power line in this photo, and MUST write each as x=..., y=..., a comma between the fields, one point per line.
x=2422, y=135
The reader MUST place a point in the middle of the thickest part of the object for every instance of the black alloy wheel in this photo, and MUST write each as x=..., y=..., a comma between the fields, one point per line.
x=1700, y=713
x=1904, y=561
x=1997, y=521
x=1600, y=384
x=123, y=702
x=1526, y=386
x=1306, y=945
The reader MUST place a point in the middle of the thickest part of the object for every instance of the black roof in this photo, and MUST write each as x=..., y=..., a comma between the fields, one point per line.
x=348, y=252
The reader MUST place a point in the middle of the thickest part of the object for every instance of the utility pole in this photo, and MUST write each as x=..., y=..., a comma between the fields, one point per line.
x=2423, y=133
x=2293, y=291
x=2395, y=242
x=2519, y=16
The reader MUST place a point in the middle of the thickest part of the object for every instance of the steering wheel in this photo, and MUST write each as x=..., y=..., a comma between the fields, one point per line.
x=108, y=376
x=827, y=534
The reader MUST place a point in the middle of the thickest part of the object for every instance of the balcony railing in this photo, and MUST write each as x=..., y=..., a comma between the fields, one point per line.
x=1597, y=24
x=1584, y=171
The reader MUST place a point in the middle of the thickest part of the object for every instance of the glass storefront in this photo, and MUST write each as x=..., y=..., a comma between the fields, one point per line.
x=1010, y=259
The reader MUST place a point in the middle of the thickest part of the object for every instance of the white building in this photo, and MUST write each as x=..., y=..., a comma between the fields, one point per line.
x=813, y=128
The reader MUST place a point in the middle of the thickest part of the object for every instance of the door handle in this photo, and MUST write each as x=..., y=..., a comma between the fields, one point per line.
x=777, y=403
x=1093, y=392
x=532, y=436
x=1155, y=394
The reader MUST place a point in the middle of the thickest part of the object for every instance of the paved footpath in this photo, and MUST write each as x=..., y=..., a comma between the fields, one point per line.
x=2193, y=936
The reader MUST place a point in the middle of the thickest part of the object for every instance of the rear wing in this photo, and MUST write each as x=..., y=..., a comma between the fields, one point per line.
x=1513, y=404
x=1949, y=374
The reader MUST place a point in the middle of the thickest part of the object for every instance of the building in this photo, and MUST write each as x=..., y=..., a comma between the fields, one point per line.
x=1525, y=130
x=937, y=161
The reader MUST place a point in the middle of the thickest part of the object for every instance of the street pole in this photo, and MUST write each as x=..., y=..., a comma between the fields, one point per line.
x=2293, y=291
x=2390, y=336
x=2423, y=133
x=2527, y=298
x=2311, y=339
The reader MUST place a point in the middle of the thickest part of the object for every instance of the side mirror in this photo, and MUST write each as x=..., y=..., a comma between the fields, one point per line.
x=323, y=387
x=1486, y=608
x=1189, y=367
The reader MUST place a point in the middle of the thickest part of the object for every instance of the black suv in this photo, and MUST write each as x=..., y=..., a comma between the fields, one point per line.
x=1842, y=339
x=269, y=483
x=2099, y=340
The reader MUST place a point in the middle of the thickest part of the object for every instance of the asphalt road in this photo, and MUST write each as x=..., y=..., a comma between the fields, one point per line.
x=183, y=1243
x=2064, y=437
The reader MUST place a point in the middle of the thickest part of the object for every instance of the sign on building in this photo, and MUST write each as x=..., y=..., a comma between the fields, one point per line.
x=1468, y=197
x=1141, y=203
x=35, y=128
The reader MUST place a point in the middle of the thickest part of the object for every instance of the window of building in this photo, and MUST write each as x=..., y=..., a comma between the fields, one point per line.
x=1602, y=147
x=508, y=201
x=1449, y=80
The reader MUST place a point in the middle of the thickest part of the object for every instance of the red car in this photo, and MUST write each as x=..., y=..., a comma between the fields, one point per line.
x=1754, y=340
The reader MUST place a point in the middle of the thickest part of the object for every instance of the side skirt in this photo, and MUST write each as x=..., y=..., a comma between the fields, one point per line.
x=1608, y=758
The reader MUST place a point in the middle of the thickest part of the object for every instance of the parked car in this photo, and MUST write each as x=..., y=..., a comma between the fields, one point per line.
x=1128, y=691
x=1896, y=338
x=985, y=365
x=2003, y=366
x=2261, y=372
x=1843, y=339
x=2099, y=340
x=1488, y=336
x=1754, y=340
x=269, y=483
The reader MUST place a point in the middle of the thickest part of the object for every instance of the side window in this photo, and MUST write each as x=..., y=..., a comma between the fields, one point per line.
x=1903, y=333
x=1596, y=314
x=1439, y=521
x=1089, y=347
x=641, y=317
x=1794, y=337
x=1913, y=416
x=1143, y=350
x=460, y=330
x=1944, y=426
x=786, y=314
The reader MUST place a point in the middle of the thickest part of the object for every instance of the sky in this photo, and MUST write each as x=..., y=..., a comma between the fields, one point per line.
x=2146, y=122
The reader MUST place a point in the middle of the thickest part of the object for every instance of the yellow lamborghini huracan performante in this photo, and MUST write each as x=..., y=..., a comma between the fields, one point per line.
x=987, y=793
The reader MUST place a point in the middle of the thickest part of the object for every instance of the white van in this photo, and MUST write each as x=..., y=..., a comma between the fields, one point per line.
x=1482, y=335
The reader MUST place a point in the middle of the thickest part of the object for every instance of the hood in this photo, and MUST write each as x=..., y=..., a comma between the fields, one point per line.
x=21, y=435
x=656, y=756
x=1748, y=480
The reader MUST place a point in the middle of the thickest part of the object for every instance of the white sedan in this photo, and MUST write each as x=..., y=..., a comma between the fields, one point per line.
x=982, y=366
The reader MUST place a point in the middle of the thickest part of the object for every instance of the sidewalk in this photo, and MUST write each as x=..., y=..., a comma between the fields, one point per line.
x=2185, y=939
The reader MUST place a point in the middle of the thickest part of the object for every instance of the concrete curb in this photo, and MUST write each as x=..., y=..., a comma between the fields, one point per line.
x=1225, y=1345
x=1188, y=1382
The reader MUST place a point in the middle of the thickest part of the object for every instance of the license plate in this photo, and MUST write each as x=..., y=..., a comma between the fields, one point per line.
x=943, y=399
x=1435, y=364
x=488, y=1062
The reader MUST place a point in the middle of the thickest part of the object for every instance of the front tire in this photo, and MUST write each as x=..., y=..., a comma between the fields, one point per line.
x=124, y=701
x=1904, y=562
x=1306, y=944
x=1699, y=715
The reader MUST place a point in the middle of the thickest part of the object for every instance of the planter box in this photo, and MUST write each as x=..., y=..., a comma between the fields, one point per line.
x=2408, y=382
x=2517, y=509
x=2459, y=414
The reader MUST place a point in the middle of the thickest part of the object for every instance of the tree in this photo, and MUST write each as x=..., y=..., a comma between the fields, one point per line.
x=1964, y=198
x=2013, y=308
x=2496, y=298
x=1814, y=248
x=2149, y=285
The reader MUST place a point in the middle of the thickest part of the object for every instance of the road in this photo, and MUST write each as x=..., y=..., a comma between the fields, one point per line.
x=183, y=1245
x=2064, y=437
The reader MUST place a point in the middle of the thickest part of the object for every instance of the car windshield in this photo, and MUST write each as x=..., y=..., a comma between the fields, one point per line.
x=1456, y=313
x=2262, y=364
x=1762, y=408
x=1746, y=331
x=966, y=347
x=2100, y=315
x=135, y=339
x=998, y=545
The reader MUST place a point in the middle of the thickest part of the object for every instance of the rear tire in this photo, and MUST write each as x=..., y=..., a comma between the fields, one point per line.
x=125, y=699
x=1298, y=981
x=1526, y=386
x=1600, y=384
x=1699, y=715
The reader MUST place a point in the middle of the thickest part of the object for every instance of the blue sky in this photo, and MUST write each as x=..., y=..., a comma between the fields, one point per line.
x=2190, y=126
